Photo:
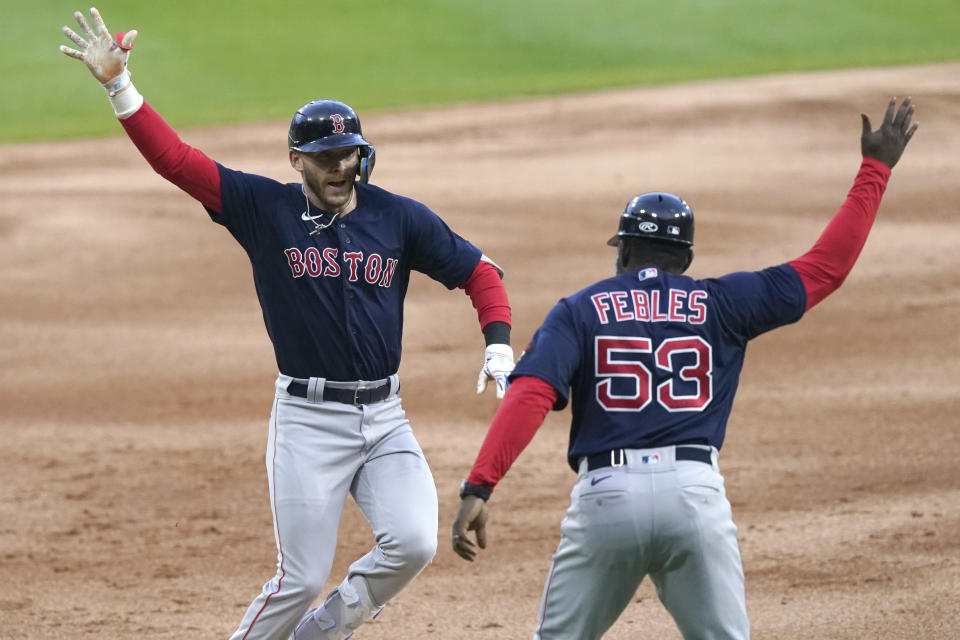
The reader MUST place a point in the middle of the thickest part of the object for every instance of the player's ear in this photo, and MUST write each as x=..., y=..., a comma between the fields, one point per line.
x=689, y=260
x=296, y=161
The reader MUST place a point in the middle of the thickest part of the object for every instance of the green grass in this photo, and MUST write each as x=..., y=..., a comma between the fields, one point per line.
x=225, y=61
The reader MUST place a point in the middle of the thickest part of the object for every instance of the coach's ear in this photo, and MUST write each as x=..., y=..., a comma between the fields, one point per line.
x=623, y=257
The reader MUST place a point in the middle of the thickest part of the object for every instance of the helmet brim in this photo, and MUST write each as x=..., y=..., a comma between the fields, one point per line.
x=335, y=141
x=615, y=240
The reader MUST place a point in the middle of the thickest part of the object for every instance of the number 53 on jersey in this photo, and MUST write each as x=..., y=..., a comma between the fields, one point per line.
x=686, y=361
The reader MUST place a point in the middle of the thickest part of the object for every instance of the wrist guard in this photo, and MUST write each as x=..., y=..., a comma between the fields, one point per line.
x=469, y=489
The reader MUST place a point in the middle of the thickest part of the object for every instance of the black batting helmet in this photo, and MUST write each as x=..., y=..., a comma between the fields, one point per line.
x=325, y=124
x=658, y=216
x=329, y=124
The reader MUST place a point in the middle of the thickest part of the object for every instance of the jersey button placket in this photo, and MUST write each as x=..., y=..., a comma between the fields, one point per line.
x=350, y=294
x=348, y=288
x=351, y=297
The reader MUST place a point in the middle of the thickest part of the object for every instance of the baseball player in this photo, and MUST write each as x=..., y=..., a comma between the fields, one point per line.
x=649, y=361
x=331, y=259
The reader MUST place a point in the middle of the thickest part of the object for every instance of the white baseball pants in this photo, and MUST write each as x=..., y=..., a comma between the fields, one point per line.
x=317, y=452
x=657, y=516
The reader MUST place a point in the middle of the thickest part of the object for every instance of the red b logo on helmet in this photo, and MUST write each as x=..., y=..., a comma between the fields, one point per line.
x=337, y=123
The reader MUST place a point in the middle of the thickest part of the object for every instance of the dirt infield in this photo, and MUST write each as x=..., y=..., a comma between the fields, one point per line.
x=137, y=377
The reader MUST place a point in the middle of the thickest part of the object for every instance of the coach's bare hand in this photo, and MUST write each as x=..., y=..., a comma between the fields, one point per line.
x=105, y=57
x=472, y=516
x=887, y=143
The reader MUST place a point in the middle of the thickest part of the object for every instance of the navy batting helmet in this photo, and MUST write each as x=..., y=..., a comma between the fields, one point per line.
x=330, y=124
x=658, y=216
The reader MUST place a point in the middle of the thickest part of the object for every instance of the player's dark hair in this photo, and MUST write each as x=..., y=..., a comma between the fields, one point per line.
x=636, y=253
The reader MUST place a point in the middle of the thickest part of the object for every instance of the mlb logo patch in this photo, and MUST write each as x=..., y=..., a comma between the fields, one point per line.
x=646, y=274
x=672, y=230
x=654, y=459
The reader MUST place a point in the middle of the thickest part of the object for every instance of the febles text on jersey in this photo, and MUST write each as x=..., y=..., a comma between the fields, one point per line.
x=638, y=305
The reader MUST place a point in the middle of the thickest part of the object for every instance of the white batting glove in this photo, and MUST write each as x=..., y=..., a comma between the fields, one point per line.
x=497, y=365
x=106, y=59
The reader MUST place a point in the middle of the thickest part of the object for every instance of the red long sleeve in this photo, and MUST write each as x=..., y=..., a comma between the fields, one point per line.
x=487, y=293
x=826, y=265
x=517, y=419
x=186, y=167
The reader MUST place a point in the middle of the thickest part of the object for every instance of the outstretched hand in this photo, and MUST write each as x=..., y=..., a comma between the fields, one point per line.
x=472, y=516
x=105, y=57
x=887, y=143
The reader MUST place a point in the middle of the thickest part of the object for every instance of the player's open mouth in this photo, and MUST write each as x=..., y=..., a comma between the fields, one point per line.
x=338, y=184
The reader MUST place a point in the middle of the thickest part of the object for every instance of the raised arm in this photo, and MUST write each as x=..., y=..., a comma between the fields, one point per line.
x=826, y=265
x=107, y=58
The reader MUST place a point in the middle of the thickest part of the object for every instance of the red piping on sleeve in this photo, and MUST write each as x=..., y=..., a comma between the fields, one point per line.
x=186, y=167
x=517, y=420
x=826, y=265
x=487, y=293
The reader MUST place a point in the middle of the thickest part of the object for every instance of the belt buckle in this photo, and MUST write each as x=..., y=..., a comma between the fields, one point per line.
x=613, y=458
x=356, y=394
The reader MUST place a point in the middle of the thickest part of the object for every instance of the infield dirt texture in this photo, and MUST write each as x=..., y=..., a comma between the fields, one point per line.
x=137, y=377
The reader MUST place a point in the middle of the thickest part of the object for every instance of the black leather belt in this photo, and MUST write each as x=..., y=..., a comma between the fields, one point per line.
x=618, y=457
x=356, y=397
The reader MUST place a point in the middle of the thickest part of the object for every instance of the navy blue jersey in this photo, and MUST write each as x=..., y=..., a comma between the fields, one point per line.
x=333, y=302
x=650, y=359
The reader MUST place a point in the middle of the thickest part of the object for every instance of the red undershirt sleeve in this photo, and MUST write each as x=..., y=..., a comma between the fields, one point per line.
x=826, y=265
x=487, y=293
x=517, y=420
x=186, y=167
